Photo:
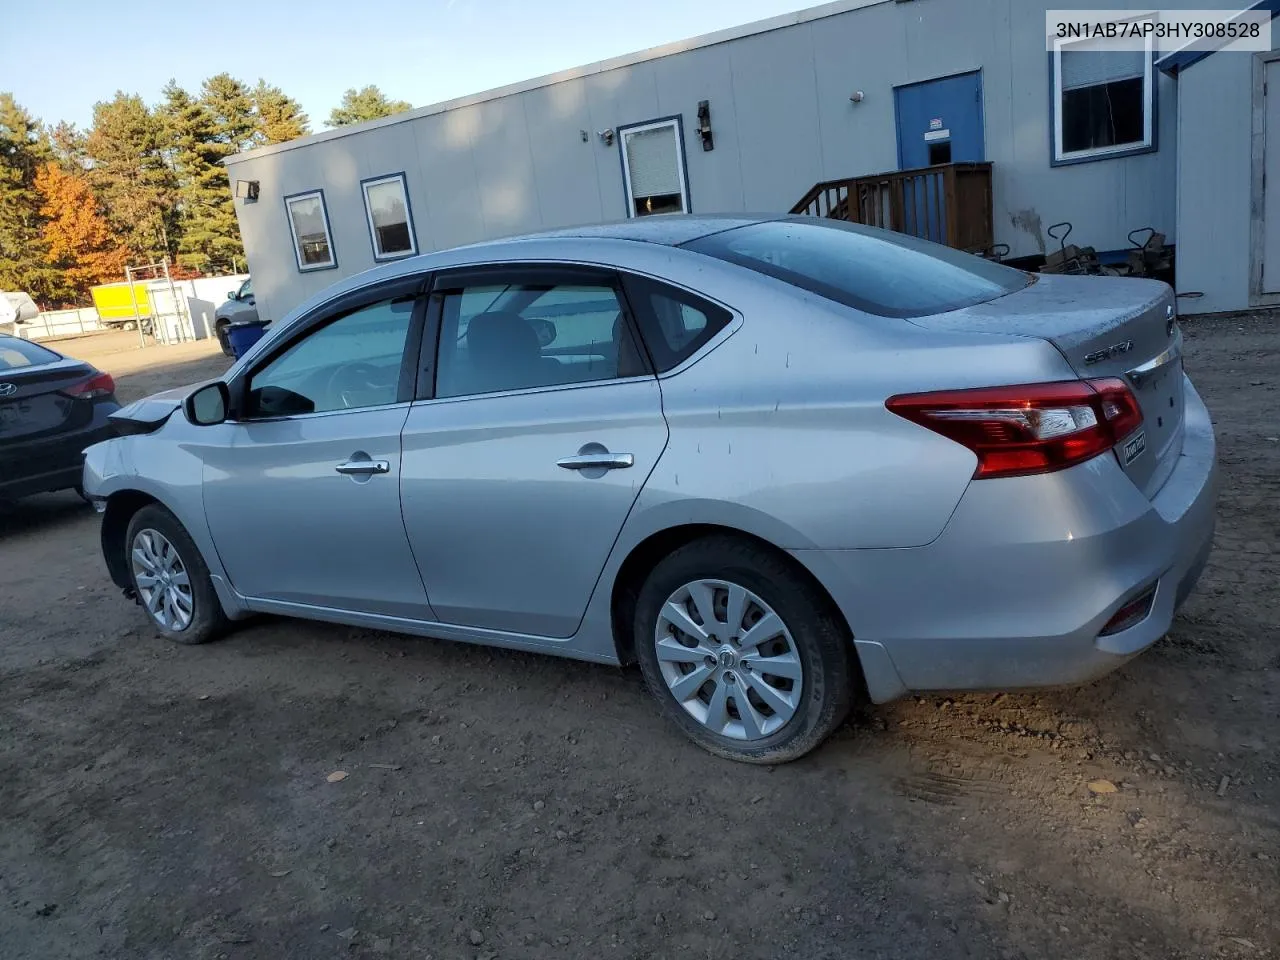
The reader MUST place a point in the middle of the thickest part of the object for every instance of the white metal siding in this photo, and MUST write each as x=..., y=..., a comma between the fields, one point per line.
x=1215, y=182
x=781, y=117
x=1271, y=182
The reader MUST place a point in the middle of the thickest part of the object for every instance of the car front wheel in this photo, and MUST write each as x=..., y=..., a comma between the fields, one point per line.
x=170, y=579
x=743, y=652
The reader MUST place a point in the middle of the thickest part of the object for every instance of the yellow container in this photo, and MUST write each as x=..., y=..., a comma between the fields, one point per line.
x=115, y=305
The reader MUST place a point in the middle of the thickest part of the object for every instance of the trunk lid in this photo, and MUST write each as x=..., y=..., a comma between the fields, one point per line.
x=33, y=404
x=1104, y=327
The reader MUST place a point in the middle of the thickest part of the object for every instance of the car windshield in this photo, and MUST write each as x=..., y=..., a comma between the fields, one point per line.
x=876, y=271
x=15, y=353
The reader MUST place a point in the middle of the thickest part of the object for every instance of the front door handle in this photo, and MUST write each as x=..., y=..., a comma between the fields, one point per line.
x=597, y=461
x=363, y=468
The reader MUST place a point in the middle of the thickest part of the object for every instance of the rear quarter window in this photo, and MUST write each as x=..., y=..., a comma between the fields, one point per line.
x=875, y=271
x=15, y=353
x=674, y=324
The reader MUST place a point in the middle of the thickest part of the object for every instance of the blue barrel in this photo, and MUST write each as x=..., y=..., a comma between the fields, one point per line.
x=244, y=335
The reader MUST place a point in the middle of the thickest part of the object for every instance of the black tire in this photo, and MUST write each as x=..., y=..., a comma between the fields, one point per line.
x=220, y=330
x=819, y=635
x=207, y=619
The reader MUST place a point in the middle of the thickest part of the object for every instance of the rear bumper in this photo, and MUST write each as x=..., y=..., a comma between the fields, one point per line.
x=54, y=463
x=1016, y=589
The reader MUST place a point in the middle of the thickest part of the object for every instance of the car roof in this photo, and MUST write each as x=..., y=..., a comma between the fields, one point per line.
x=669, y=229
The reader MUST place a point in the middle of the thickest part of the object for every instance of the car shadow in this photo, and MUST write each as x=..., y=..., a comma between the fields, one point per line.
x=43, y=511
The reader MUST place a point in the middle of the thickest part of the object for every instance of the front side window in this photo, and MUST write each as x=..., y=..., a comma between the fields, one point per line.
x=386, y=205
x=653, y=167
x=515, y=336
x=246, y=290
x=877, y=271
x=1103, y=102
x=309, y=226
x=351, y=362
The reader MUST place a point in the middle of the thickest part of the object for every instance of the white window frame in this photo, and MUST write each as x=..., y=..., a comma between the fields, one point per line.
x=675, y=124
x=293, y=232
x=1148, y=142
x=408, y=212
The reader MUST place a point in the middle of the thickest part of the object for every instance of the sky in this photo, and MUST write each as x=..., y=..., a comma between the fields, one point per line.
x=76, y=52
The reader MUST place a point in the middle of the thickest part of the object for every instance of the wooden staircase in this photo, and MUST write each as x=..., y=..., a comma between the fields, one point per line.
x=949, y=203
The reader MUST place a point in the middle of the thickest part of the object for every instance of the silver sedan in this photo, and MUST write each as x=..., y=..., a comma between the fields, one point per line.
x=783, y=464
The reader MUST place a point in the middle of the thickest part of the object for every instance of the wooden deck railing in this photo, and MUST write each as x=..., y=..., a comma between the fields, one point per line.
x=949, y=203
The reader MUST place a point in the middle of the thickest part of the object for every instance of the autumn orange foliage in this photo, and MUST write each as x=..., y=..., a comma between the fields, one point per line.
x=76, y=235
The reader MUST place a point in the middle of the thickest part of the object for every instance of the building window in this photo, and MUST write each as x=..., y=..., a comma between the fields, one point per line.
x=1104, y=102
x=309, y=226
x=653, y=168
x=386, y=204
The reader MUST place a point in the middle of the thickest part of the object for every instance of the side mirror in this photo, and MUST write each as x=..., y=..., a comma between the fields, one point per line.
x=208, y=405
x=233, y=295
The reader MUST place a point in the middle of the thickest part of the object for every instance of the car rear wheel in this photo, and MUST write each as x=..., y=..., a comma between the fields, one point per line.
x=170, y=579
x=220, y=330
x=742, y=652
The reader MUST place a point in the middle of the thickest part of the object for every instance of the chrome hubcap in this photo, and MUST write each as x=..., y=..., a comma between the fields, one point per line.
x=728, y=659
x=163, y=585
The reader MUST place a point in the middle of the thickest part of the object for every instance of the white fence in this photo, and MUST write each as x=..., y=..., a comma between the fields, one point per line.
x=191, y=317
x=60, y=323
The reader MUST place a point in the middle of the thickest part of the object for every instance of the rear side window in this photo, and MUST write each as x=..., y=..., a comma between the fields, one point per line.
x=674, y=324
x=876, y=271
x=15, y=353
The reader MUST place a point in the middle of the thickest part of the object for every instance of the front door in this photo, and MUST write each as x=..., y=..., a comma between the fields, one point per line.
x=522, y=467
x=940, y=121
x=304, y=505
x=1271, y=182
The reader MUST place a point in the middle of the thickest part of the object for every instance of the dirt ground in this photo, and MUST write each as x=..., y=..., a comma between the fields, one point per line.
x=161, y=802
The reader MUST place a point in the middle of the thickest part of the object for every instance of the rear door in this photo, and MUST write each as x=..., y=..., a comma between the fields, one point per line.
x=536, y=429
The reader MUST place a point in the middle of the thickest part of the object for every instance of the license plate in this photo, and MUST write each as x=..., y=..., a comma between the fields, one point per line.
x=1133, y=447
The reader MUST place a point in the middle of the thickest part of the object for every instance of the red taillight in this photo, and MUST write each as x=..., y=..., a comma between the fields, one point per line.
x=95, y=388
x=1030, y=428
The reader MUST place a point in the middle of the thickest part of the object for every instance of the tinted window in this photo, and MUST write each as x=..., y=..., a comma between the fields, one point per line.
x=877, y=271
x=514, y=336
x=1106, y=115
x=352, y=362
x=16, y=353
x=675, y=324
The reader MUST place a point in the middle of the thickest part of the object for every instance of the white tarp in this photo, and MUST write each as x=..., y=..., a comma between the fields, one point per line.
x=17, y=308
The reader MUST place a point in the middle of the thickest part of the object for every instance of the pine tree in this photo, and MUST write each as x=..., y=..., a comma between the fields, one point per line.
x=230, y=104
x=78, y=242
x=368, y=103
x=210, y=235
x=125, y=149
x=23, y=265
x=280, y=117
x=67, y=146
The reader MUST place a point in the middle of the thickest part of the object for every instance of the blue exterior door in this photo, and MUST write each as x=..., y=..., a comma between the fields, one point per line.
x=940, y=121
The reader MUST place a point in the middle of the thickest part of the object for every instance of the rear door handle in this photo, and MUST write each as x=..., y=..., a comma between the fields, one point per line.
x=363, y=468
x=588, y=461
